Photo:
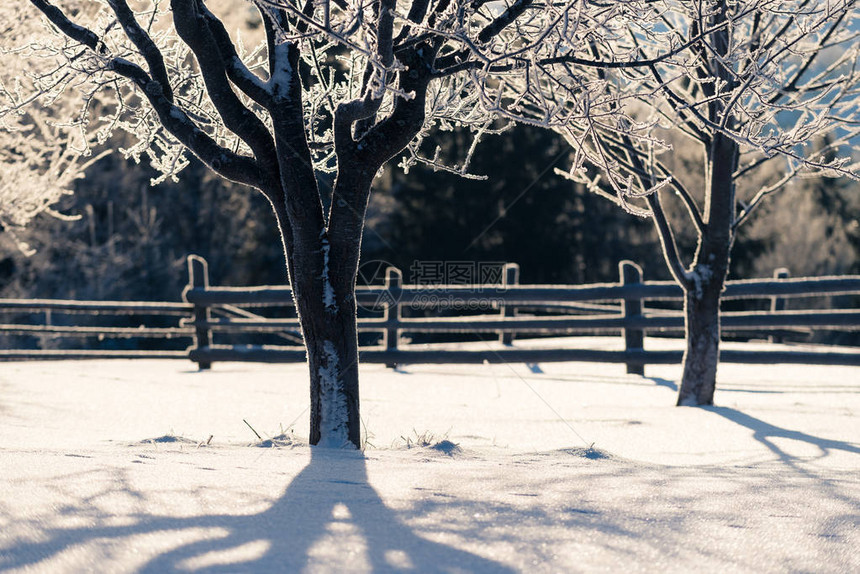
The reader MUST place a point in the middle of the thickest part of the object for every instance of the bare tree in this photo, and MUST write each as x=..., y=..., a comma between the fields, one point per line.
x=337, y=87
x=749, y=84
x=41, y=152
x=39, y=162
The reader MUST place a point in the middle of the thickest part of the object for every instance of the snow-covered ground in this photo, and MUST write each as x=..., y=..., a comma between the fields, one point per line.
x=569, y=467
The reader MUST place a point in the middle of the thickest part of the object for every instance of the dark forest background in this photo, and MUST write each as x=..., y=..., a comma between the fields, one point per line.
x=130, y=239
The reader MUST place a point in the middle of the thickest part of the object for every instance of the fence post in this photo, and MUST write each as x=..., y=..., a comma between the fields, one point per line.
x=633, y=338
x=392, y=313
x=198, y=277
x=778, y=303
x=511, y=277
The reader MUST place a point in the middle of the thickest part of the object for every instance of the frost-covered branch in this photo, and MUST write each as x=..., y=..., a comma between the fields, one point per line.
x=667, y=241
x=772, y=76
x=144, y=44
x=40, y=160
x=42, y=151
x=472, y=61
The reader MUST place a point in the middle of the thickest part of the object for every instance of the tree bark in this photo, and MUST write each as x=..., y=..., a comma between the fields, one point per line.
x=704, y=285
x=324, y=294
x=702, y=354
x=323, y=264
x=332, y=346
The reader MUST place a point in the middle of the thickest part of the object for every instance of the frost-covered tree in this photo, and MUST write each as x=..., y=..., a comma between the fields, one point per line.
x=41, y=152
x=750, y=84
x=39, y=162
x=336, y=89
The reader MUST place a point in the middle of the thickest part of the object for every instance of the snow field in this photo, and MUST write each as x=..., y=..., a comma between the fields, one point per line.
x=567, y=467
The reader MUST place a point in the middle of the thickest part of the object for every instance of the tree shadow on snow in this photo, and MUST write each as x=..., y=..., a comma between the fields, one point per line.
x=765, y=432
x=329, y=499
x=661, y=382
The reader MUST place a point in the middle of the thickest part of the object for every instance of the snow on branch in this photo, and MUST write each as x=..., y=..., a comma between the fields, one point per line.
x=469, y=63
x=376, y=77
x=773, y=77
x=42, y=151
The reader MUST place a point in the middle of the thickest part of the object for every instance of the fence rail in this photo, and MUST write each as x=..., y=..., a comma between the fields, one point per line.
x=848, y=319
x=634, y=357
x=522, y=295
x=569, y=309
x=623, y=307
x=60, y=319
x=94, y=307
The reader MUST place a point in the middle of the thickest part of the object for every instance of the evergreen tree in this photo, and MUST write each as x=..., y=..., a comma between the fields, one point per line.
x=523, y=213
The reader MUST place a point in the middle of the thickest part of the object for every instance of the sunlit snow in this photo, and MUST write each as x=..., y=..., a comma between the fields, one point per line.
x=108, y=466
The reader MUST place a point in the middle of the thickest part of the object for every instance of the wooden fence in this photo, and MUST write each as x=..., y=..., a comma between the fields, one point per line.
x=506, y=311
x=566, y=309
x=52, y=319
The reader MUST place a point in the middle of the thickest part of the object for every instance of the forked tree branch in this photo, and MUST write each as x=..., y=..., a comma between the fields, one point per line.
x=193, y=30
x=243, y=78
x=667, y=241
x=756, y=201
x=176, y=121
x=78, y=33
x=141, y=39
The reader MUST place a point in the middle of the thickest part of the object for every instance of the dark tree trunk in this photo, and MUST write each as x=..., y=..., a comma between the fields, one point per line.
x=704, y=284
x=323, y=263
x=331, y=339
x=323, y=285
x=701, y=357
x=324, y=294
